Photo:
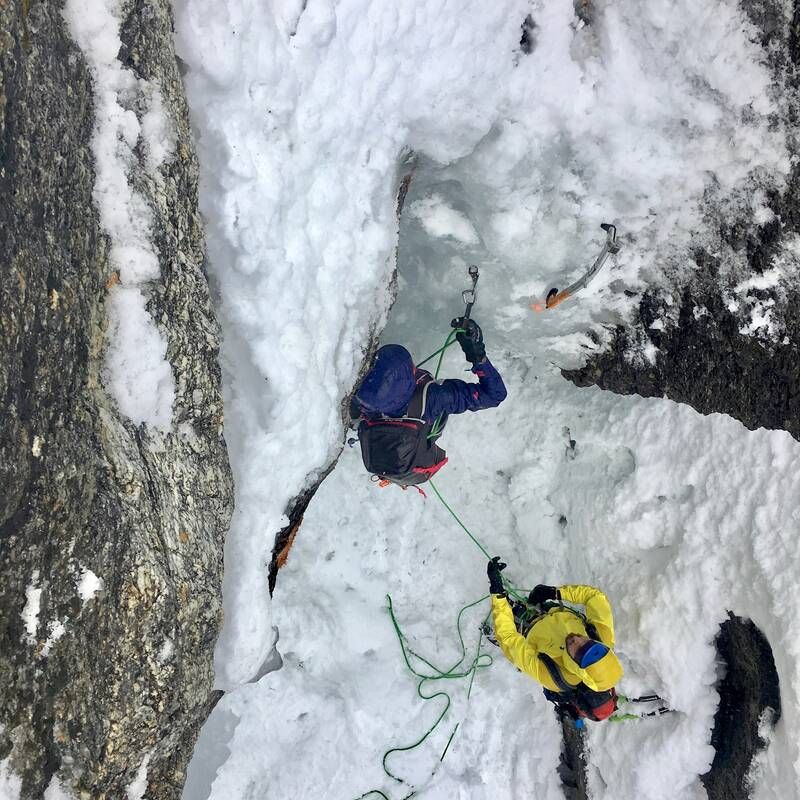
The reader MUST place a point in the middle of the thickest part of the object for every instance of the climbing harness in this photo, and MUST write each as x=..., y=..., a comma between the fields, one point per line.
x=610, y=247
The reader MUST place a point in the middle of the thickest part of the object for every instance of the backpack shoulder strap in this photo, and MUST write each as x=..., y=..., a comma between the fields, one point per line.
x=419, y=400
x=555, y=674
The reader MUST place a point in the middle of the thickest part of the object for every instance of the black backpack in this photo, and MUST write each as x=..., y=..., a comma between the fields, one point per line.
x=580, y=699
x=403, y=449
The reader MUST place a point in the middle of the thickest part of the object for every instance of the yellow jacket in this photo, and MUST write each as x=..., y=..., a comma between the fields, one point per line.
x=549, y=633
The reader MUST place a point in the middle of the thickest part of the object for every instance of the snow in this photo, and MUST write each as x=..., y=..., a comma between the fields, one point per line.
x=55, y=630
x=138, y=786
x=762, y=213
x=88, y=585
x=36, y=446
x=56, y=791
x=166, y=651
x=157, y=132
x=30, y=612
x=303, y=114
x=760, y=319
x=10, y=784
x=764, y=280
x=137, y=373
x=439, y=219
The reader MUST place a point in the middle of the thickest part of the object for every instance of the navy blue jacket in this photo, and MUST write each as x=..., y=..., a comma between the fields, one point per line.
x=388, y=386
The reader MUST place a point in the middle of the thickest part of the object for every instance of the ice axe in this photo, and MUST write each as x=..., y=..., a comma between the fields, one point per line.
x=469, y=296
x=610, y=246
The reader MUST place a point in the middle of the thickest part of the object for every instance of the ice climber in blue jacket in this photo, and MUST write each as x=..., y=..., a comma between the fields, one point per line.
x=402, y=410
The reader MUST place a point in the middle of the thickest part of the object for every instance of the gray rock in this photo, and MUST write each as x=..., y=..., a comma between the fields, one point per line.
x=749, y=705
x=90, y=688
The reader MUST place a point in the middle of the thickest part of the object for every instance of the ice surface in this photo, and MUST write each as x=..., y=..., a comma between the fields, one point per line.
x=303, y=111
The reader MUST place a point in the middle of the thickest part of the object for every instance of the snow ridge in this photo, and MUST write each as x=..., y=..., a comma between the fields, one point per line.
x=138, y=374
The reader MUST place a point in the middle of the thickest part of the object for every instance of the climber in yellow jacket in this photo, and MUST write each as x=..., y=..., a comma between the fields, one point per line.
x=568, y=652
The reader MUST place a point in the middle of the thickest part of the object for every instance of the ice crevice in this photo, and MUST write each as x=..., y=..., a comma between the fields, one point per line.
x=520, y=157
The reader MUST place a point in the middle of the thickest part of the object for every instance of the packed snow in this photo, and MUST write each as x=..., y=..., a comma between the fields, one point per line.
x=56, y=791
x=10, y=783
x=89, y=585
x=439, y=219
x=138, y=374
x=55, y=630
x=303, y=114
x=138, y=786
x=30, y=611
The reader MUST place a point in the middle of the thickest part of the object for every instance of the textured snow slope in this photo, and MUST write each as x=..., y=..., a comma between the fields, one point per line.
x=678, y=516
x=301, y=123
x=302, y=116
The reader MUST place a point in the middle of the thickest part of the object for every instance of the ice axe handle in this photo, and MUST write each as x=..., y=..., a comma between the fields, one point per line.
x=469, y=303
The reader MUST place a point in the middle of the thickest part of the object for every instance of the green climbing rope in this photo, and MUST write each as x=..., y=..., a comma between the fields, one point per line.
x=509, y=586
x=456, y=671
x=436, y=427
x=440, y=352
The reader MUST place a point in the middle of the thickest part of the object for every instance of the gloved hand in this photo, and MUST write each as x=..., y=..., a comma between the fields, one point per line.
x=471, y=340
x=541, y=593
x=493, y=570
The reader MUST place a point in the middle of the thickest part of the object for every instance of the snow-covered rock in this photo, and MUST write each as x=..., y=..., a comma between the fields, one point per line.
x=115, y=489
x=729, y=341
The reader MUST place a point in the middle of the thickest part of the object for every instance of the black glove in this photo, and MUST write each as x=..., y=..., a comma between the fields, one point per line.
x=493, y=570
x=471, y=340
x=541, y=593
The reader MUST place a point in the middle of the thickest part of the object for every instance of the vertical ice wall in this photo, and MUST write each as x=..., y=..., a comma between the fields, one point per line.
x=632, y=113
x=301, y=112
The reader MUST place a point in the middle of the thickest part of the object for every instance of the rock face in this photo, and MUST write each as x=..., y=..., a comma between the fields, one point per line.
x=706, y=350
x=572, y=762
x=749, y=705
x=111, y=534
